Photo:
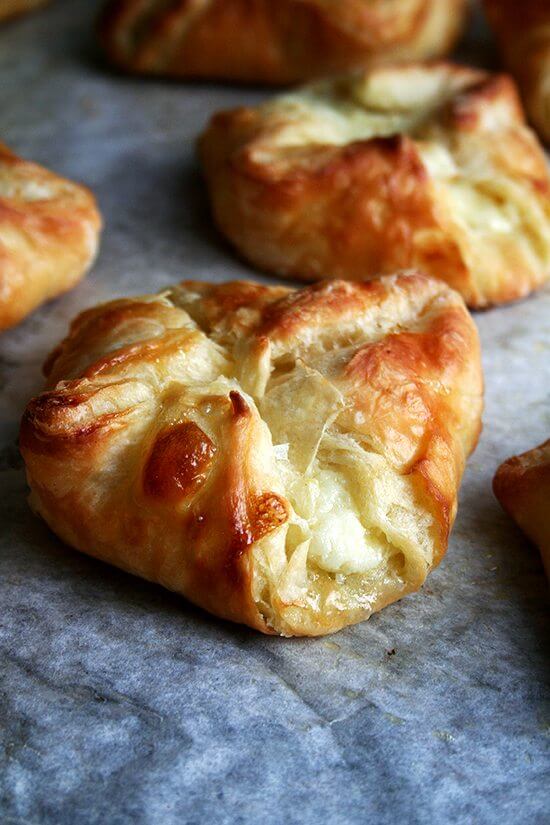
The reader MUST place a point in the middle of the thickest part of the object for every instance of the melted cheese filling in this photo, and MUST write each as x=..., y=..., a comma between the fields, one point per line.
x=327, y=521
x=335, y=122
x=351, y=509
x=338, y=541
x=339, y=112
x=342, y=111
x=470, y=204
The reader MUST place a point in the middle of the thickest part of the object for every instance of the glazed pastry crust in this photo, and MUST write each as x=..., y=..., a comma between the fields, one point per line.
x=286, y=459
x=13, y=8
x=280, y=42
x=49, y=234
x=523, y=31
x=428, y=166
x=522, y=485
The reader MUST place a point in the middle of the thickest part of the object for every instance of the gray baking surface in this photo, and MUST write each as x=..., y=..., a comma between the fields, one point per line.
x=121, y=702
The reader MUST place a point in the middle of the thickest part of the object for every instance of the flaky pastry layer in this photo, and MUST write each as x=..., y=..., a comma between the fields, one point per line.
x=286, y=459
x=428, y=166
x=522, y=485
x=286, y=41
x=49, y=235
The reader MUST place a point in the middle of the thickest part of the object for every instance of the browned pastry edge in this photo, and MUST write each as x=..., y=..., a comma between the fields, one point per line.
x=49, y=235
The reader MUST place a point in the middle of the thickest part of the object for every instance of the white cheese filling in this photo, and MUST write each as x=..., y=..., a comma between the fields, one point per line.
x=333, y=114
x=338, y=542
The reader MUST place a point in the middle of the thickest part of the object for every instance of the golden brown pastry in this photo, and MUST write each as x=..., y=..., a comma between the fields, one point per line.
x=523, y=31
x=13, y=8
x=49, y=234
x=522, y=485
x=411, y=166
x=286, y=459
x=274, y=41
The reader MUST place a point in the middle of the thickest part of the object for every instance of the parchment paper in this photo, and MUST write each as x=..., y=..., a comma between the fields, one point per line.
x=122, y=703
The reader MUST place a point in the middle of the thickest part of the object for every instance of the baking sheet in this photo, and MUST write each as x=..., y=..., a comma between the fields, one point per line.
x=121, y=702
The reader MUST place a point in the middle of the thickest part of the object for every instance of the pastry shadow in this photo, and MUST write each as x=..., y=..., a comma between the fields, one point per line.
x=163, y=214
x=103, y=589
x=199, y=219
x=514, y=574
x=200, y=228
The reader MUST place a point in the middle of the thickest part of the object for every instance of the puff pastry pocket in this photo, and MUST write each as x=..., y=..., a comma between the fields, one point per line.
x=286, y=459
x=523, y=31
x=429, y=166
x=49, y=234
x=522, y=485
x=13, y=8
x=274, y=41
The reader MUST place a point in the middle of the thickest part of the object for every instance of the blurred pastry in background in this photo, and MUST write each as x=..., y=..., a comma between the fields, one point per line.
x=523, y=31
x=288, y=459
x=522, y=485
x=13, y=8
x=49, y=235
x=274, y=41
x=416, y=165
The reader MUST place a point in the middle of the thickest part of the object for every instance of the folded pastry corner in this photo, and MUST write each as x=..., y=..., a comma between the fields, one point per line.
x=288, y=459
x=417, y=165
x=522, y=486
x=49, y=235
